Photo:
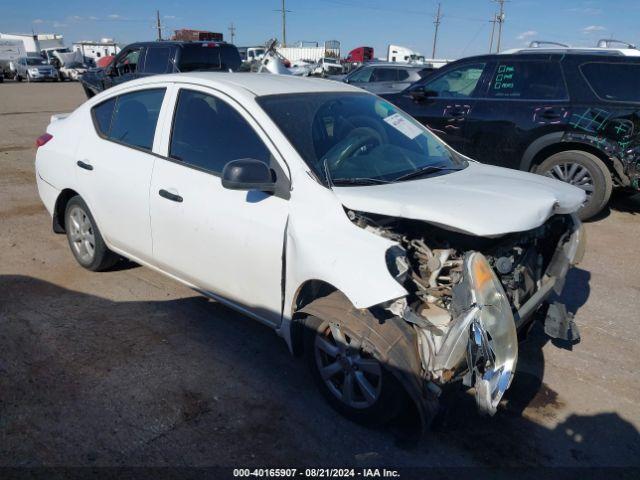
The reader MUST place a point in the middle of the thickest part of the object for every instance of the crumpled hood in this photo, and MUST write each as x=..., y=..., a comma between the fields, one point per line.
x=481, y=200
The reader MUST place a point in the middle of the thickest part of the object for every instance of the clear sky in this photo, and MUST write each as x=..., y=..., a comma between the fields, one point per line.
x=465, y=27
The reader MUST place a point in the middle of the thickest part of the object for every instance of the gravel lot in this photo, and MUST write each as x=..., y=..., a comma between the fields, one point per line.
x=130, y=368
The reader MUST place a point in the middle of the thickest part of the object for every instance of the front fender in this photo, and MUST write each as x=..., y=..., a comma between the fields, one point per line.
x=323, y=244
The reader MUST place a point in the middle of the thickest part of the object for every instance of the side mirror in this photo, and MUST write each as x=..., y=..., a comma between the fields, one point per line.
x=248, y=174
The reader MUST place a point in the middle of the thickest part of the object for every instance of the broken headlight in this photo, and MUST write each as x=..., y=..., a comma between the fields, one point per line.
x=492, y=349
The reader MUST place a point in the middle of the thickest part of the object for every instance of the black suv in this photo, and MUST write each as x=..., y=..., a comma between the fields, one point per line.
x=152, y=58
x=573, y=115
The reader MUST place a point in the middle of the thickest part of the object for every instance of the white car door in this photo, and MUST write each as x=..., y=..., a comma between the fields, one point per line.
x=228, y=243
x=114, y=165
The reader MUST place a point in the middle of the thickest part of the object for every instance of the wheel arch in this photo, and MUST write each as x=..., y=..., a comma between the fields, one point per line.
x=60, y=207
x=306, y=293
x=550, y=144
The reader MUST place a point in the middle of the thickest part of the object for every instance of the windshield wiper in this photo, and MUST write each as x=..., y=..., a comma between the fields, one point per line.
x=358, y=181
x=424, y=171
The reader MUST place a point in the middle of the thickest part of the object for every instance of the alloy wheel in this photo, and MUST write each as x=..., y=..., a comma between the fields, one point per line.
x=81, y=233
x=573, y=174
x=352, y=376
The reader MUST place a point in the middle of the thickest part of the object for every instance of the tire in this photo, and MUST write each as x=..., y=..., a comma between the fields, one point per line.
x=583, y=170
x=85, y=241
x=386, y=397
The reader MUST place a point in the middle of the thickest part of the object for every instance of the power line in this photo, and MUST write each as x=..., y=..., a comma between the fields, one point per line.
x=435, y=35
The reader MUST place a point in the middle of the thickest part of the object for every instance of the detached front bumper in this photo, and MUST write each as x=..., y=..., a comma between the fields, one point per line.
x=569, y=252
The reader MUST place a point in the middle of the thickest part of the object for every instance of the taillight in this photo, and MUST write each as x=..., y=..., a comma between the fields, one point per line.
x=42, y=139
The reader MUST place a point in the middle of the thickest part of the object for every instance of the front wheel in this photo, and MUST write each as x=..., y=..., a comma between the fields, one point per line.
x=352, y=381
x=585, y=171
x=85, y=240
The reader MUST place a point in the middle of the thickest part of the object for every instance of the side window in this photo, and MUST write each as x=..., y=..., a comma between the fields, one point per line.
x=460, y=82
x=102, y=115
x=128, y=63
x=384, y=75
x=619, y=82
x=208, y=133
x=157, y=60
x=528, y=81
x=135, y=118
x=361, y=76
x=402, y=75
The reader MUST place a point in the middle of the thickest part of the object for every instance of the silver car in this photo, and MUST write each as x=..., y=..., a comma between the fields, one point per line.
x=35, y=69
x=382, y=78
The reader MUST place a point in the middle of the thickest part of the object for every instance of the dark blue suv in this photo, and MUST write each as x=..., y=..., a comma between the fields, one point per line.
x=571, y=114
x=153, y=58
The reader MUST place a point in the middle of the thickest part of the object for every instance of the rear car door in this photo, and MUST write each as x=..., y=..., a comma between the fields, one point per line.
x=524, y=100
x=225, y=242
x=448, y=103
x=114, y=168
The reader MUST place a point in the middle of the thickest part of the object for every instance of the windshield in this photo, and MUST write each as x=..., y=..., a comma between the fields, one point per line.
x=358, y=138
x=35, y=61
x=330, y=60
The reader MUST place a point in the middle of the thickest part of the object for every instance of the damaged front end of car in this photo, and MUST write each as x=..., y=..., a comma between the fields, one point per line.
x=469, y=296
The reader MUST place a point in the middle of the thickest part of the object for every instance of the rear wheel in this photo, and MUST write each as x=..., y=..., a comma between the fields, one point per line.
x=84, y=238
x=585, y=171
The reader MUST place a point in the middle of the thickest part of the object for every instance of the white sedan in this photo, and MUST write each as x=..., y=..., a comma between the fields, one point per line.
x=392, y=262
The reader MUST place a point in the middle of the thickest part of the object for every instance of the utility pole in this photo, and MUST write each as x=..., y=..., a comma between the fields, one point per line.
x=232, y=32
x=284, y=11
x=435, y=35
x=493, y=31
x=158, y=25
x=500, y=20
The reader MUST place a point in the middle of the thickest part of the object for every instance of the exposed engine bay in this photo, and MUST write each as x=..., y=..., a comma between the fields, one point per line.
x=462, y=332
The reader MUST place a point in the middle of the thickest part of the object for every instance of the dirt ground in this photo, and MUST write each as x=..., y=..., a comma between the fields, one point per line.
x=130, y=368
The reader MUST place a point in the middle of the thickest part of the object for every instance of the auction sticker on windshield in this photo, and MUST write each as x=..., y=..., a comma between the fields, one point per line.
x=403, y=125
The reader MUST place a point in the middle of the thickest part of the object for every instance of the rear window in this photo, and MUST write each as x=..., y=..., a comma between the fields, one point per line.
x=131, y=118
x=102, y=114
x=618, y=82
x=528, y=81
x=209, y=56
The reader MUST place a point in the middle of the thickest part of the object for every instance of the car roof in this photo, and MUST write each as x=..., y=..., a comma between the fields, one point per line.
x=176, y=43
x=624, y=52
x=407, y=66
x=259, y=84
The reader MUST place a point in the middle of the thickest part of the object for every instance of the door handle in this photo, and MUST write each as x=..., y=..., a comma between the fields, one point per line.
x=550, y=115
x=170, y=196
x=84, y=165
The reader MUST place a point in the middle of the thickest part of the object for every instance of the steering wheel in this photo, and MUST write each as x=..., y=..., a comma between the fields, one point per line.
x=354, y=141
